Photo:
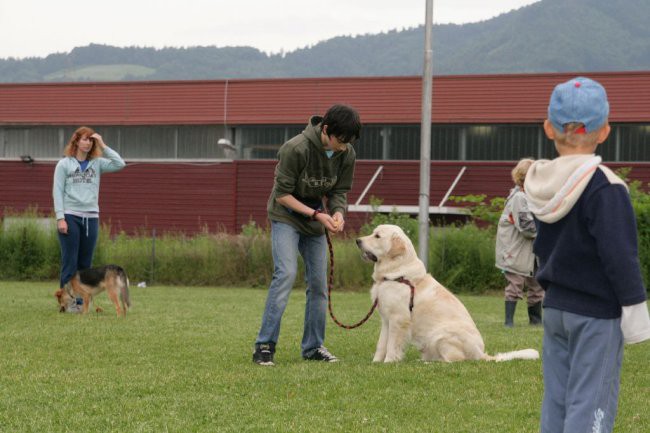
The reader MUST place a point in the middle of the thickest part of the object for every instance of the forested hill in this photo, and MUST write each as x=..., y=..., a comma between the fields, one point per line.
x=548, y=36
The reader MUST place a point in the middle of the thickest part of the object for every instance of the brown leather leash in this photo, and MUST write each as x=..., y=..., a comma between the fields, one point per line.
x=330, y=284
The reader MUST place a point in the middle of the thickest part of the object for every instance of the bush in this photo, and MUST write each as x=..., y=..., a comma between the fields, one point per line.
x=28, y=251
x=462, y=259
x=641, y=204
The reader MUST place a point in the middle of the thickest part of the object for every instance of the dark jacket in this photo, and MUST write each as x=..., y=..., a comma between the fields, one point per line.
x=588, y=258
x=305, y=171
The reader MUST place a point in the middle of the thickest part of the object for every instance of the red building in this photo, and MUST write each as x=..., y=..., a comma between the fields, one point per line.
x=178, y=178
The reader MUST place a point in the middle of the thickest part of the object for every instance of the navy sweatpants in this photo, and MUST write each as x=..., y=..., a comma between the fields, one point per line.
x=78, y=246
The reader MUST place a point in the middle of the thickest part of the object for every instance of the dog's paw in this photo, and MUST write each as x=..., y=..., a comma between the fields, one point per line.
x=392, y=358
x=99, y=310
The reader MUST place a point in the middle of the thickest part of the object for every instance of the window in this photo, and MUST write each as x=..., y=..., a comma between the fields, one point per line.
x=627, y=142
x=260, y=142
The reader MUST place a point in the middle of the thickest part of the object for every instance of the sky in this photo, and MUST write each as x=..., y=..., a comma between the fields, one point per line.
x=36, y=28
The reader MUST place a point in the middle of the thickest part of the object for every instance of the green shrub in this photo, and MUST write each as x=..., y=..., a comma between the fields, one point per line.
x=641, y=205
x=462, y=259
x=28, y=251
x=484, y=213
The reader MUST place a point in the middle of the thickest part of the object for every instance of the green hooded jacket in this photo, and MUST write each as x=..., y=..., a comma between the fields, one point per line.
x=305, y=171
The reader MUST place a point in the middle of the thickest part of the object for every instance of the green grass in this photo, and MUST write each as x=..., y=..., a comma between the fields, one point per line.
x=101, y=72
x=181, y=362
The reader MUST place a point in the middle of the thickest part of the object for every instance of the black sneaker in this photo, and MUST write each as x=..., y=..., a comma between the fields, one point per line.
x=263, y=354
x=321, y=354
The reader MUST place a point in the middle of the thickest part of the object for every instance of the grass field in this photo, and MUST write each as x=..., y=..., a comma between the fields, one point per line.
x=181, y=362
x=101, y=73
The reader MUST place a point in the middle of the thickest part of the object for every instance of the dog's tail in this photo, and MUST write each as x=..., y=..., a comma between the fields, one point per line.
x=517, y=354
x=124, y=289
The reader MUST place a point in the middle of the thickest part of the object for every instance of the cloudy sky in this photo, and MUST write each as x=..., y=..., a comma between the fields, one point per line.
x=31, y=28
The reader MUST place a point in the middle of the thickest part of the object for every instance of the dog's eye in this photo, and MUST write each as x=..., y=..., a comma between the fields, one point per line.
x=377, y=235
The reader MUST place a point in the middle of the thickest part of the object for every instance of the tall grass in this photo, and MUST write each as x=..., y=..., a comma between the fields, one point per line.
x=28, y=251
x=460, y=256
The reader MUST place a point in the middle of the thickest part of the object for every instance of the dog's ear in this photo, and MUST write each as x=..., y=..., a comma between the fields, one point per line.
x=397, y=248
x=58, y=294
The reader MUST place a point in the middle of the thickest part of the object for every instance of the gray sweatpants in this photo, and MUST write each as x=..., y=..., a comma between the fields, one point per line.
x=581, y=360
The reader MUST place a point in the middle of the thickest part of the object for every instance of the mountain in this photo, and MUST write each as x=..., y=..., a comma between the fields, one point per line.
x=547, y=36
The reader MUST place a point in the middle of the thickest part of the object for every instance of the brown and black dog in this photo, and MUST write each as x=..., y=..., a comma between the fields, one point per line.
x=90, y=282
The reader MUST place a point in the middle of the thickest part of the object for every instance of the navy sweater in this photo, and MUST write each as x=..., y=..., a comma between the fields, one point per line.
x=588, y=260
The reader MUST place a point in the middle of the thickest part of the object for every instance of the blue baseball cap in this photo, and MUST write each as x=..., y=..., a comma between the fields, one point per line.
x=579, y=100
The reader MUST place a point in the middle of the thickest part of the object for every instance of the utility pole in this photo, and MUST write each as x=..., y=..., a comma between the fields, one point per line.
x=425, y=139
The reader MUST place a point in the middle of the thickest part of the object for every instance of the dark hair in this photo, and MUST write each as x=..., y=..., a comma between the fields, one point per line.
x=342, y=122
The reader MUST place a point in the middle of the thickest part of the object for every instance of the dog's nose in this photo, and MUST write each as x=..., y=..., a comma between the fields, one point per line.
x=358, y=242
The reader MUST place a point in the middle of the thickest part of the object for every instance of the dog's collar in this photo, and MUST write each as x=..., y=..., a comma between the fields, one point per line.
x=408, y=283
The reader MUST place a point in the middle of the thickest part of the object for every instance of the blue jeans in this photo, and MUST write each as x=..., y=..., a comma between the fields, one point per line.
x=286, y=243
x=78, y=246
x=582, y=358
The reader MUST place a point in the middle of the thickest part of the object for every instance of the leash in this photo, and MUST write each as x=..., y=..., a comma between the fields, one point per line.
x=330, y=284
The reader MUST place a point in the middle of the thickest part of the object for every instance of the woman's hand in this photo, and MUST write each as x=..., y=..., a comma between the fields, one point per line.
x=62, y=226
x=99, y=140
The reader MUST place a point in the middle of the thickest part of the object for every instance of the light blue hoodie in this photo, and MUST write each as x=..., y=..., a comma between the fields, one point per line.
x=76, y=190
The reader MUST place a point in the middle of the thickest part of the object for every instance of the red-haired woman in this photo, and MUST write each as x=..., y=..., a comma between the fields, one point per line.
x=76, y=194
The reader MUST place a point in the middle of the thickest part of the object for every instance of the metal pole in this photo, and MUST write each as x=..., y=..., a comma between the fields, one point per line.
x=425, y=139
x=153, y=257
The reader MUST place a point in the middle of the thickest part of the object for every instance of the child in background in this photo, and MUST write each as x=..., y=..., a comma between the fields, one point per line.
x=586, y=245
x=514, y=250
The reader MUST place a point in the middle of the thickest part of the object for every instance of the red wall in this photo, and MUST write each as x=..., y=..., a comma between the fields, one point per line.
x=224, y=196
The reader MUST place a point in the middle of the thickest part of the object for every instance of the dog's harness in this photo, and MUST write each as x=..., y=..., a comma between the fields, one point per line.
x=408, y=283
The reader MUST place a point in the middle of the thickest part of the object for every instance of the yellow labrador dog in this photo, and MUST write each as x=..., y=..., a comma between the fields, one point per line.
x=415, y=307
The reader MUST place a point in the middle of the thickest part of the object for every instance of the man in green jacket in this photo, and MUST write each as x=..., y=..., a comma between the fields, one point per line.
x=309, y=196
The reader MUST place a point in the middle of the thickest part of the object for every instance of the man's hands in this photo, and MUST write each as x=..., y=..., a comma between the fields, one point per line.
x=334, y=223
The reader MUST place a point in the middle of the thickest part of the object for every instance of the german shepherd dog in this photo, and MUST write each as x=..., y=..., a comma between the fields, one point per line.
x=90, y=282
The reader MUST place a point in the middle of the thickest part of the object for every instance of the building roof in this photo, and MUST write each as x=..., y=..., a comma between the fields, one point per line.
x=516, y=98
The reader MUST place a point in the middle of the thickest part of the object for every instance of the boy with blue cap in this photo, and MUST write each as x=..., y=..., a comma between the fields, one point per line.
x=588, y=265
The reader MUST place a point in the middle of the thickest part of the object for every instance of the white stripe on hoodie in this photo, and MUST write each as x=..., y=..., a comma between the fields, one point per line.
x=554, y=186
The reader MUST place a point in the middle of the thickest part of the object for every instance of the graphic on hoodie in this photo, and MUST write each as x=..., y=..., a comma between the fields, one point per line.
x=86, y=176
x=323, y=182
